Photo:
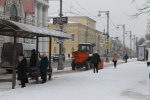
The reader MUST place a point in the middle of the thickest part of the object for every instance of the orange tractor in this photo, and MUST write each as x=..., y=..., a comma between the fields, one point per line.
x=82, y=57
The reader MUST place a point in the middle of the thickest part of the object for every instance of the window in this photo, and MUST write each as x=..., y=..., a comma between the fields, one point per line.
x=72, y=37
x=72, y=49
x=54, y=49
x=55, y=39
x=13, y=12
x=64, y=50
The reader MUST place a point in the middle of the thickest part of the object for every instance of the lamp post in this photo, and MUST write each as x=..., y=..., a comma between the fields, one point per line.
x=130, y=43
x=107, y=13
x=60, y=61
x=123, y=25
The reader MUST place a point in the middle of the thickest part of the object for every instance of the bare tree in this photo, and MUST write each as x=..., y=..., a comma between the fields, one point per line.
x=147, y=36
x=141, y=41
x=145, y=9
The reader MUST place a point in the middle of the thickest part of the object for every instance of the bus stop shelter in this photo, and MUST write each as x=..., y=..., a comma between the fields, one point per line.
x=16, y=30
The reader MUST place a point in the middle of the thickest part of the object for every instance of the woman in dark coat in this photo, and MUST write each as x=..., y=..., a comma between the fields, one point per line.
x=33, y=60
x=22, y=69
x=96, y=59
x=43, y=67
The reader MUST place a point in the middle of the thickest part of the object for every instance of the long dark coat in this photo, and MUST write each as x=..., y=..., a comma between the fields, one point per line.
x=96, y=58
x=44, y=65
x=126, y=56
x=33, y=59
x=22, y=69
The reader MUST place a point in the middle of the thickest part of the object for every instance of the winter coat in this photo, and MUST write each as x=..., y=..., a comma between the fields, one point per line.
x=33, y=60
x=115, y=57
x=22, y=69
x=44, y=65
x=126, y=56
x=96, y=58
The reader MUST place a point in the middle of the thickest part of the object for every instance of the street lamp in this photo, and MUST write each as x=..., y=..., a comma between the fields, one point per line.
x=123, y=25
x=60, y=61
x=130, y=43
x=107, y=13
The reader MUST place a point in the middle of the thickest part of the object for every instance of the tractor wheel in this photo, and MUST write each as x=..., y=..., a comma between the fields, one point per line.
x=73, y=65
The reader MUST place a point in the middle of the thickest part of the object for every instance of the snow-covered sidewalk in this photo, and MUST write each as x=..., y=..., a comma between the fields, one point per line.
x=129, y=81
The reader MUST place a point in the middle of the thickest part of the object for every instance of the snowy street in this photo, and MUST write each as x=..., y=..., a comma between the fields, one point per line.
x=129, y=81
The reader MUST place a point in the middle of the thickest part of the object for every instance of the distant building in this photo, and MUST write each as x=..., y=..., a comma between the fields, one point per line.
x=80, y=28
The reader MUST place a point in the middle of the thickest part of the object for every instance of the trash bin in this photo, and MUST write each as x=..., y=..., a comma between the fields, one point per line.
x=100, y=65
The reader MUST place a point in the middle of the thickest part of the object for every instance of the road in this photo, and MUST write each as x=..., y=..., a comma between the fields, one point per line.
x=54, y=64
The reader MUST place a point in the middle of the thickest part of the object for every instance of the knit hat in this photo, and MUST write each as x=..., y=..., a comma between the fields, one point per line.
x=21, y=54
x=33, y=50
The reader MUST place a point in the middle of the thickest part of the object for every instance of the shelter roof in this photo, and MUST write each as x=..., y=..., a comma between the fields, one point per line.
x=8, y=28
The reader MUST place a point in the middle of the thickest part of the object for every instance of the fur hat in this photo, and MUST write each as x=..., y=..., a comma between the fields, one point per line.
x=95, y=51
x=44, y=55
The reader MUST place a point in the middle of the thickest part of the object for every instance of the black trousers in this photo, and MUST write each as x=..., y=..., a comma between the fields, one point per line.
x=96, y=67
x=23, y=82
x=115, y=64
x=125, y=60
x=44, y=77
x=148, y=63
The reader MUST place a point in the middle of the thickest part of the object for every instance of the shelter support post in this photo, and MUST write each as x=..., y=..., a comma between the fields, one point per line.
x=14, y=63
x=50, y=47
x=37, y=47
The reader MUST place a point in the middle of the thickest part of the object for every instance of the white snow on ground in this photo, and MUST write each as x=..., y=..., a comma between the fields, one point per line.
x=129, y=81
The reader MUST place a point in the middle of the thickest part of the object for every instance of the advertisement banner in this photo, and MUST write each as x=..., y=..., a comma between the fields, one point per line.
x=141, y=53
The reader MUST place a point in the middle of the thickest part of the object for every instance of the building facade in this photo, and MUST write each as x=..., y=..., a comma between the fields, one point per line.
x=80, y=28
x=34, y=12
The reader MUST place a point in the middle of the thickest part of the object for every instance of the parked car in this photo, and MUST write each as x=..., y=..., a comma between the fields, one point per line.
x=52, y=55
x=56, y=57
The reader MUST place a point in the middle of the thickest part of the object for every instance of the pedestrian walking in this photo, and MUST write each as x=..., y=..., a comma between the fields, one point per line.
x=95, y=60
x=126, y=58
x=33, y=60
x=69, y=55
x=43, y=68
x=115, y=59
x=22, y=70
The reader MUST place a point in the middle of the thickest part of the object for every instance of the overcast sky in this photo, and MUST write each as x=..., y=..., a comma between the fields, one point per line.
x=119, y=14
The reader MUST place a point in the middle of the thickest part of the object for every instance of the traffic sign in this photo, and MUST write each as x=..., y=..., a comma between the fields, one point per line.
x=59, y=38
x=60, y=20
x=107, y=46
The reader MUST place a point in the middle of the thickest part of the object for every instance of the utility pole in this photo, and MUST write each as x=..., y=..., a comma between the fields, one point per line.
x=130, y=44
x=134, y=45
x=107, y=46
x=123, y=25
x=60, y=61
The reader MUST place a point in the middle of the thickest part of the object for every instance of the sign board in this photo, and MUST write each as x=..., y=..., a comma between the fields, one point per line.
x=141, y=53
x=59, y=38
x=107, y=46
x=58, y=20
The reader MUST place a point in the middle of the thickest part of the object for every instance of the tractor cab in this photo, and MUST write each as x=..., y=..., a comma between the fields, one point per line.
x=86, y=47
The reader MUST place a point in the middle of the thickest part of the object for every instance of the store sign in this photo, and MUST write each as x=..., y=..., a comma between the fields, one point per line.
x=60, y=20
x=141, y=53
